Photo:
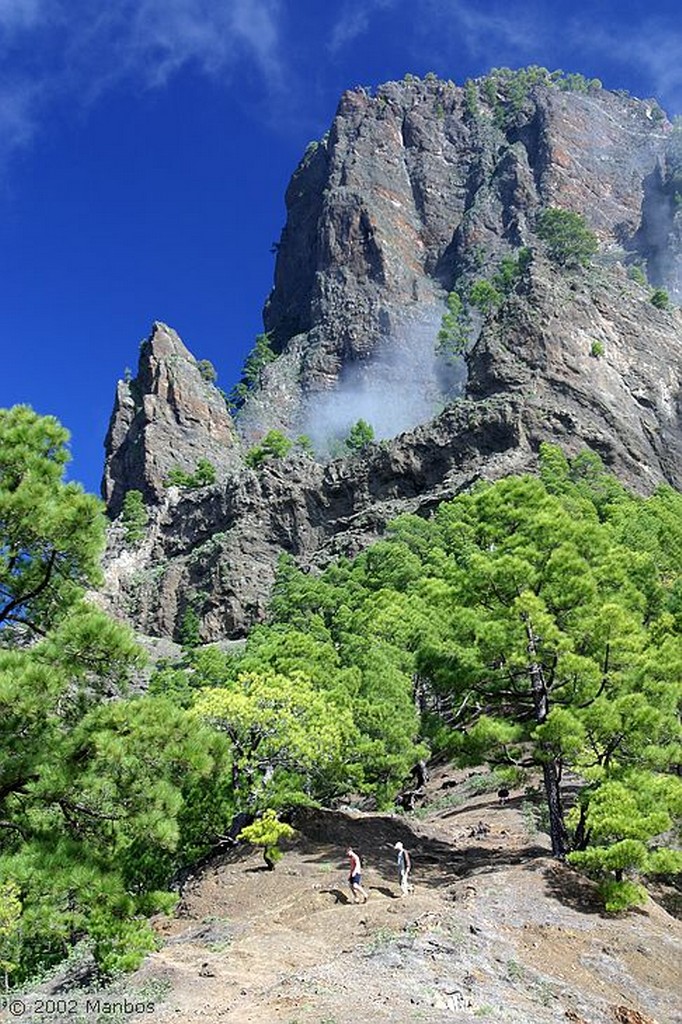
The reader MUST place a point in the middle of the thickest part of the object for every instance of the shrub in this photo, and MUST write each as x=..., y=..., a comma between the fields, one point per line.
x=10, y=928
x=258, y=358
x=304, y=444
x=207, y=370
x=636, y=273
x=275, y=445
x=619, y=896
x=507, y=91
x=453, y=335
x=268, y=831
x=134, y=516
x=471, y=99
x=203, y=476
x=597, y=349
x=178, y=478
x=189, y=630
x=660, y=298
x=360, y=435
x=510, y=269
x=568, y=239
x=484, y=296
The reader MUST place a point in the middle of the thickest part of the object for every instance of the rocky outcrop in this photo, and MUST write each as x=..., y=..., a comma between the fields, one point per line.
x=533, y=377
x=169, y=415
x=216, y=550
x=413, y=190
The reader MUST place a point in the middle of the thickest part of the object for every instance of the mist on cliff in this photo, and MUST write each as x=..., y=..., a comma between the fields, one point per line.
x=402, y=384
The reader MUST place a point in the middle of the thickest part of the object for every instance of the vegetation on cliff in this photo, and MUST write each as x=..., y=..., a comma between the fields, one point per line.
x=258, y=358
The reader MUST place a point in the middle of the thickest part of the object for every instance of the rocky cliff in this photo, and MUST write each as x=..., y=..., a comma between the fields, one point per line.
x=416, y=190
x=167, y=417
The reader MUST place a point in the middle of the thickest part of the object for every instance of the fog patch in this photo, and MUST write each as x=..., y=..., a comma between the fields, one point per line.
x=402, y=384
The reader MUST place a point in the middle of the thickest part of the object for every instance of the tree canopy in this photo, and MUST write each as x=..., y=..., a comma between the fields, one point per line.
x=100, y=799
x=541, y=614
x=534, y=623
x=51, y=532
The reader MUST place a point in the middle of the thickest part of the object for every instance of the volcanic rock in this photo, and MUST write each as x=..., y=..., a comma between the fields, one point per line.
x=168, y=416
x=411, y=194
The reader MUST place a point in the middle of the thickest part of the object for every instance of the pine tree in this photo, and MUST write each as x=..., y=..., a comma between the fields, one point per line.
x=568, y=239
x=52, y=534
x=268, y=832
x=99, y=801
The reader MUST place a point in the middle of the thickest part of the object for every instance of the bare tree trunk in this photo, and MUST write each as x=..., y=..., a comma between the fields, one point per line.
x=557, y=825
x=582, y=832
x=550, y=767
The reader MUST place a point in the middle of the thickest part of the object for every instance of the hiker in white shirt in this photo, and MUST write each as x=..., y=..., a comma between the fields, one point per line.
x=404, y=867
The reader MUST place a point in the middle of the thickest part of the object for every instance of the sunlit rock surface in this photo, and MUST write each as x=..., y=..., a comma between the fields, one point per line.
x=407, y=196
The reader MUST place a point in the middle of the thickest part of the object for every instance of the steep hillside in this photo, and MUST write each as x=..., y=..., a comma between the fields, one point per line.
x=494, y=929
x=417, y=190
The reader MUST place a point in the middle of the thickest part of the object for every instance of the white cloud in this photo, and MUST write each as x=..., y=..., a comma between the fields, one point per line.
x=16, y=15
x=655, y=48
x=354, y=21
x=492, y=35
x=79, y=49
x=256, y=26
x=18, y=104
x=510, y=31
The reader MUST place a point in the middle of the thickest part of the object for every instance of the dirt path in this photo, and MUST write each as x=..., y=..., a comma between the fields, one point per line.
x=495, y=930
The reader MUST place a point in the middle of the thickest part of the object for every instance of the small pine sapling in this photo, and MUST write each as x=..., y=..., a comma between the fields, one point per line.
x=267, y=832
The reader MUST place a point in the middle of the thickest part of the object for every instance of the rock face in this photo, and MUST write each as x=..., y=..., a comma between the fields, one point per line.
x=168, y=415
x=414, y=191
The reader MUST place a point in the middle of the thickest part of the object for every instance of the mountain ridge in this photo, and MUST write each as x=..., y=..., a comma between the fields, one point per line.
x=415, y=192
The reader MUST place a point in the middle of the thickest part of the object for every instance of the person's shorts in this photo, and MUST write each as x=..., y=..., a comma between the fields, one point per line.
x=355, y=879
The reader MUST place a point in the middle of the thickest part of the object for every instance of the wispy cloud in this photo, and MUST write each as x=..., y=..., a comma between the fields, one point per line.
x=355, y=19
x=443, y=34
x=52, y=49
x=157, y=37
x=654, y=47
x=494, y=34
x=20, y=14
x=17, y=115
x=485, y=32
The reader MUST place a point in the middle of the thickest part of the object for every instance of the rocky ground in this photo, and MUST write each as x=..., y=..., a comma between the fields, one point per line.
x=495, y=929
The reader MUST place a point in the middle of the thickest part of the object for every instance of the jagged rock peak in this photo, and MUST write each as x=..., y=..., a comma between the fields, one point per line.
x=170, y=414
x=421, y=185
x=417, y=190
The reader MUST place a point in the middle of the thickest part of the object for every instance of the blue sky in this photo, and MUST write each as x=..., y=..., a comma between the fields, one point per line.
x=145, y=146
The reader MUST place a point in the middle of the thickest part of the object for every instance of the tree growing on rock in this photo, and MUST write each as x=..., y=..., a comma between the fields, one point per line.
x=134, y=516
x=275, y=445
x=454, y=334
x=258, y=358
x=569, y=241
x=360, y=436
